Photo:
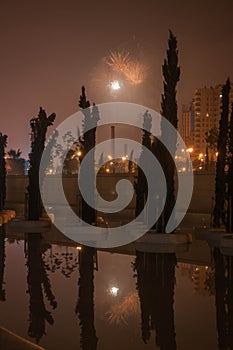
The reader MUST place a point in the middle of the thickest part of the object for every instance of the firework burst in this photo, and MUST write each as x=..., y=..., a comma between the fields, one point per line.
x=123, y=64
x=120, y=312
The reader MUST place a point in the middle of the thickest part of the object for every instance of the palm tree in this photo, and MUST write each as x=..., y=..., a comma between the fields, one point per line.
x=13, y=154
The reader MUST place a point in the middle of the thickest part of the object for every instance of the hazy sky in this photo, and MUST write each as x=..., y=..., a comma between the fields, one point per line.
x=50, y=48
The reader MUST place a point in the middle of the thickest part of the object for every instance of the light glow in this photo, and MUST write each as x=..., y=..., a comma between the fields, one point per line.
x=114, y=291
x=115, y=85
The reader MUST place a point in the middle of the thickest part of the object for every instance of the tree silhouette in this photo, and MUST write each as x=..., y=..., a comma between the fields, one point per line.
x=171, y=73
x=3, y=143
x=85, y=304
x=13, y=154
x=2, y=263
x=91, y=118
x=224, y=299
x=39, y=126
x=141, y=184
x=130, y=166
x=230, y=176
x=220, y=179
x=211, y=139
x=155, y=283
x=65, y=262
x=38, y=282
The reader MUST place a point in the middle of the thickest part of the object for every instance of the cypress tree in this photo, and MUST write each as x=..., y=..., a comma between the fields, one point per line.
x=141, y=184
x=85, y=304
x=2, y=262
x=3, y=143
x=91, y=117
x=39, y=287
x=220, y=179
x=230, y=176
x=39, y=126
x=171, y=73
x=155, y=275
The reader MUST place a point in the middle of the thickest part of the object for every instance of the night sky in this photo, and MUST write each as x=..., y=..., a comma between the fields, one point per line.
x=50, y=48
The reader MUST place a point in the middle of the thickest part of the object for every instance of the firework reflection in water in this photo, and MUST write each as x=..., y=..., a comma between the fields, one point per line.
x=122, y=311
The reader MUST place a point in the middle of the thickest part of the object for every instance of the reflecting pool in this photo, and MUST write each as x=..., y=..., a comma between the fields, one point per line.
x=64, y=296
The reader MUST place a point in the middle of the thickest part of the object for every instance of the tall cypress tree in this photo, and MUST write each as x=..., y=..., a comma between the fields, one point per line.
x=2, y=262
x=224, y=299
x=171, y=73
x=141, y=184
x=38, y=286
x=91, y=117
x=3, y=142
x=220, y=179
x=85, y=304
x=155, y=283
x=39, y=126
x=230, y=176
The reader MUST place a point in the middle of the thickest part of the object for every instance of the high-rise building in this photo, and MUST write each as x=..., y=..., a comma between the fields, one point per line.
x=186, y=123
x=206, y=109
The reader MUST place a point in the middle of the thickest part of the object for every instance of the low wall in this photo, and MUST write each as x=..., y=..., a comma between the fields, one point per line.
x=16, y=188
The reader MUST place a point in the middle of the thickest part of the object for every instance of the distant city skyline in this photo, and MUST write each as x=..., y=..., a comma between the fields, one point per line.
x=50, y=49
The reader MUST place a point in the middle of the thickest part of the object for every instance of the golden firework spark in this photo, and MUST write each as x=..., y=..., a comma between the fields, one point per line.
x=123, y=63
x=120, y=312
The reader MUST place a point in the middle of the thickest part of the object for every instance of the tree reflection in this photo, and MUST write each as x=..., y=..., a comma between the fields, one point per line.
x=2, y=263
x=224, y=299
x=85, y=304
x=155, y=283
x=38, y=285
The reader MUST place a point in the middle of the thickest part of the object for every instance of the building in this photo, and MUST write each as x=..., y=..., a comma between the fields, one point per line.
x=203, y=114
x=185, y=126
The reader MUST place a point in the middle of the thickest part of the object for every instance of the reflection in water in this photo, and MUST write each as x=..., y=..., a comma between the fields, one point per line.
x=224, y=299
x=2, y=263
x=65, y=262
x=155, y=282
x=121, y=312
x=85, y=304
x=38, y=282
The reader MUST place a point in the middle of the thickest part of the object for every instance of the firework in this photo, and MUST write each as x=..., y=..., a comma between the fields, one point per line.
x=120, y=312
x=123, y=64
